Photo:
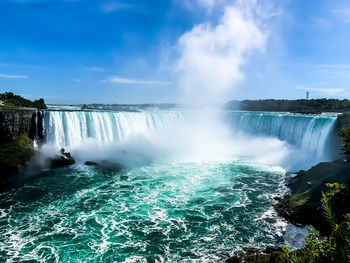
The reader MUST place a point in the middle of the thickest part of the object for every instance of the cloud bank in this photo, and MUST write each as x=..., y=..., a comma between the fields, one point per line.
x=211, y=57
x=6, y=76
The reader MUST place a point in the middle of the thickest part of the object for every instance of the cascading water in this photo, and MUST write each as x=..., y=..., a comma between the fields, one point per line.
x=310, y=134
x=67, y=128
x=169, y=210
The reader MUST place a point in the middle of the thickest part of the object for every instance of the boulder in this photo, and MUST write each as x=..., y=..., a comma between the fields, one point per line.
x=63, y=159
x=106, y=165
x=91, y=163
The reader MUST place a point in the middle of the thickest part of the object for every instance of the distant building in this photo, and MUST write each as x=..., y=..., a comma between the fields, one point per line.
x=307, y=95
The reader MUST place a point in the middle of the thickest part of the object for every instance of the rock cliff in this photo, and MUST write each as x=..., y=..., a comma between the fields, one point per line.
x=18, y=128
x=15, y=122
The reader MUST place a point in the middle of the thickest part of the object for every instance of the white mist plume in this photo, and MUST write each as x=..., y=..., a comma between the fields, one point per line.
x=211, y=57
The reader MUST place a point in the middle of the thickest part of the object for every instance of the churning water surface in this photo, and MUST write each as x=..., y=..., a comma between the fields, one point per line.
x=174, y=209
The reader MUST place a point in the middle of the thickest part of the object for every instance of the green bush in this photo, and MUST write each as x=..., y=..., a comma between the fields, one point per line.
x=17, y=152
x=13, y=100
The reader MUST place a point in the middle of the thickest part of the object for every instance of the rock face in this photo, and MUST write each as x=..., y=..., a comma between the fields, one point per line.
x=15, y=155
x=270, y=254
x=343, y=120
x=301, y=206
x=16, y=122
x=18, y=128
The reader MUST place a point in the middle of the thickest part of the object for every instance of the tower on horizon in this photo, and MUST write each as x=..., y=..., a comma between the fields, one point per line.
x=307, y=95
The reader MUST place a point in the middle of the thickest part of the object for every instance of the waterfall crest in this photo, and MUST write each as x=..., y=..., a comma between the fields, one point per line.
x=70, y=128
x=309, y=133
x=308, y=138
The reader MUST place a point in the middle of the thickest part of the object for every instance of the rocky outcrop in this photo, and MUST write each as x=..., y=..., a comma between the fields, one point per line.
x=63, y=159
x=18, y=128
x=270, y=254
x=343, y=120
x=301, y=206
x=19, y=121
x=15, y=155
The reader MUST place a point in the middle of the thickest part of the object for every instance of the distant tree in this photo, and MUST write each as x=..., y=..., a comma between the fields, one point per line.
x=11, y=99
x=40, y=104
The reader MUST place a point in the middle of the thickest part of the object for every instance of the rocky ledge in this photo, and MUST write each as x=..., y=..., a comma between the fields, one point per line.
x=301, y=206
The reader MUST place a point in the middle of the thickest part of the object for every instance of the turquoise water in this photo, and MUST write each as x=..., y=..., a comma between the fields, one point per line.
x=170, y=211
x=196, y=190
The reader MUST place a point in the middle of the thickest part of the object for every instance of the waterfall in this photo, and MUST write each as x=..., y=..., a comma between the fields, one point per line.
x=69, y=128
x=310, y=133
x=309, y=138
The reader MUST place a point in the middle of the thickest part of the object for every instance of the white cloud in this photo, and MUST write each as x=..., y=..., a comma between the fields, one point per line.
x=328, y=91
x=343, y=14
x=6, y=76
x=120, y=80
x=211, y=57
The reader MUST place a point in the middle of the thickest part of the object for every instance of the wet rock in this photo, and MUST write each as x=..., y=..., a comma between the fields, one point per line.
x=256, y=255
x=106, y=165
x=63, y=159
x=90, y=163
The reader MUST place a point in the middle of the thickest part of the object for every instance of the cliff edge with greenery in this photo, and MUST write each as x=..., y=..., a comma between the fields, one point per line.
x=14, y=156
x=9, y=99
x=313, y=106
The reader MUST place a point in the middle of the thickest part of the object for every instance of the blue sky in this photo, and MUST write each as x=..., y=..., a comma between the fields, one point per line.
x=109, y=51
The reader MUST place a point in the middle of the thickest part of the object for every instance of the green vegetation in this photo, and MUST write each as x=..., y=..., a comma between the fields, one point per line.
x=11, y=100
x=313, y=106
x=329, y=245
x=344, y=135
x=15, y=155
x=16, y=152
x=301, y=207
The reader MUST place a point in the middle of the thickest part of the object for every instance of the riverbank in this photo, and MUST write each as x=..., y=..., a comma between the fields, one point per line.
x=305, y=206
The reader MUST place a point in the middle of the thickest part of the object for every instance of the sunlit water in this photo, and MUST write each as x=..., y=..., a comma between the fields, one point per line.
x=163, y=210
x=167, y=211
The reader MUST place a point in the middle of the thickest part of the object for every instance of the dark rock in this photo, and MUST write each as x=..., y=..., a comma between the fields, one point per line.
x=90, y=163
x=343, y=120
x=233, y=259
x=15, y=122
x=255, y=255
x=111, y=165
x=63, y=159
x=272, y=249
x=301, y=206
x=106, y=165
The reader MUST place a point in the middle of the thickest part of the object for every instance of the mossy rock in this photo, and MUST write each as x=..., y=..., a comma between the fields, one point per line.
x=301, y=207
x=14, y=155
